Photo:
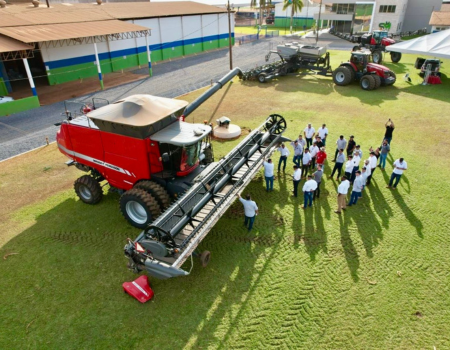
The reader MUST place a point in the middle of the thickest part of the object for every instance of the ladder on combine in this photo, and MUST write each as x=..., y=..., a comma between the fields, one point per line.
x=173, y=237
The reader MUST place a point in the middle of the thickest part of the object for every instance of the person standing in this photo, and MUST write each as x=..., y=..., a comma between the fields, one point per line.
x=313, y=153
x=301, y=141
x=268, y=174
x=319, y=142
x=351, y=145
x=296, y=177
x=356, y=161
x=298, y=151
x=284, y=153
x=320, y=158
x=341, y=143
x=372, y=165
x=385, y=148
x=308, y=189
x=389, y=130
x=399, y=167
x=349, y=167
x=339, y=163
x=323, y=133
x=306, y=162
x=317, y=175
x=250, y=210
x=309, y=133
x=357, y=188
x=342, y=194
x=358, y=151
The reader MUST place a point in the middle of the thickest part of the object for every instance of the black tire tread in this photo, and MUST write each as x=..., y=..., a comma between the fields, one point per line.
x=156, y=191
x=92, y=185
x=396, y=57
x=371, y=80
x=347, y=73
x=146, y=198
x=381, y=56
x=377, y=81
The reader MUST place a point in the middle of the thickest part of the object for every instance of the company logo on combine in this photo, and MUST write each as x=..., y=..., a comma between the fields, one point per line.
x=386, y=25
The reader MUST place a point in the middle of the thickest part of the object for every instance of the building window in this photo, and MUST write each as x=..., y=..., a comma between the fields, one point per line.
x=343, y=9
x=387, y=8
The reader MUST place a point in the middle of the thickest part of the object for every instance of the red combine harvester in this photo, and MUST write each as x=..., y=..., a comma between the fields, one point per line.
x=142, y=147
x=369, y=75
x=376, y=42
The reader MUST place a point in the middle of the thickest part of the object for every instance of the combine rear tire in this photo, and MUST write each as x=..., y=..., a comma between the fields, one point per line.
x=377, y=56
x=88, y=189
x=157, y=191
x=367, y=82
x=377, y=81
x=342, y=76
x=139, y=207
x=262, y=77
x=396, y=57
x=205, y=257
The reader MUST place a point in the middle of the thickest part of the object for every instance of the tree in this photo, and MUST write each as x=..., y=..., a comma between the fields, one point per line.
x=262, y=4
x=296, y=6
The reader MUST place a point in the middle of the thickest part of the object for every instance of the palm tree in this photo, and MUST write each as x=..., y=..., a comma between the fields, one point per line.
x=262, y=4
x=296, y=6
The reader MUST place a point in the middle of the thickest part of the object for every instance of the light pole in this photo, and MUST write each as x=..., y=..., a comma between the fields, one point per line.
x=318, y=21
x=230, y=45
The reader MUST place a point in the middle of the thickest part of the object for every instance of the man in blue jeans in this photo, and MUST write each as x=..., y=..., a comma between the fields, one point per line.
x=358, y=185
x=250, y=210
x=385, y=148
x=399, y=167
x=284, y=153
x=308, y=190
x=268, y=174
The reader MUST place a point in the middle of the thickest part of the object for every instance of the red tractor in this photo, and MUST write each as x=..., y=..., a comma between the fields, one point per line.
x=377, y=42
x=370, y=75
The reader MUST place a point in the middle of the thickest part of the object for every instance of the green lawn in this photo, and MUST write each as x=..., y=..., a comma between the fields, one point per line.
x=376, y=277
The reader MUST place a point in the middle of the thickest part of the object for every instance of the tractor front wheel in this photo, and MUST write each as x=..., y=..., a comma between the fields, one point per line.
x=396, y=57
x=88, y=189
x=392, y=74
x=377, y=57
x=139, y=207
x=377, y=81
x=342, y=76
x=367, y=82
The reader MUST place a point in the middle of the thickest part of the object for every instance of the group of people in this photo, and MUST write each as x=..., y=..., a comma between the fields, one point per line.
x=309, y=156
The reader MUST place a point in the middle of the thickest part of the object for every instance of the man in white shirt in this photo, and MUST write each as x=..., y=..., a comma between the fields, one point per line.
x=399, y=167
x=298, y=151
x=296, y=177
x=284, y=153
x=339, y=163
x=372, y=166
x=356, y=161
x=309, y=133
x=358, y=186
x=342, y=194
x=349, y=167
x=308, y=190
x=268, y=174
x=323, y=133
x=250, y=210
x=306, y=161
x=313, y=153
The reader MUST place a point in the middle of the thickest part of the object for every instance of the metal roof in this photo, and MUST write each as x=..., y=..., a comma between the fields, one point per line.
x=9, y=44
x=50, y=32
x=440, y=18
x=182, y=133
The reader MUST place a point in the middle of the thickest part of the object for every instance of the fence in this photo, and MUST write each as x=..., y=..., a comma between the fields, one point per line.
x=253, y=37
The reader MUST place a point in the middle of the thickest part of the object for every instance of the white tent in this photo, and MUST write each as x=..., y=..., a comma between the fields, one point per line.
x=436, y=45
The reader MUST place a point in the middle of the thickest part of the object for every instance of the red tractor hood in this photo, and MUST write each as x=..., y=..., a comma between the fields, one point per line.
x=387, y=41
x=375, y=66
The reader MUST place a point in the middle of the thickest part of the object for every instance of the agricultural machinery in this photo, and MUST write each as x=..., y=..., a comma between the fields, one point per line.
x=434, y=65
x=370, y=75
x=292, y=58
x=143, y=148
x=377, y=42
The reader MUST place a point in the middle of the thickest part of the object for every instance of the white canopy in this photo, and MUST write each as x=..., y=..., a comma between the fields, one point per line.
x=436, y=45
x=181, y=133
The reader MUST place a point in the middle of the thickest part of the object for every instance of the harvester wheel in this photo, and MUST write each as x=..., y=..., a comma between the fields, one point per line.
x=139, y=207
x=88, y=189
x=377, y=81
x=342, y=76
x=396, y=57
x=367, y=82
x=205, y=257
x=262, y=77
x=377, y=56
x=275, y=119
x=157, y=191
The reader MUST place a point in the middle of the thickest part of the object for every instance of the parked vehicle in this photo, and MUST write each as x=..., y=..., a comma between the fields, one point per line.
x=376, y=42
x=423, y=63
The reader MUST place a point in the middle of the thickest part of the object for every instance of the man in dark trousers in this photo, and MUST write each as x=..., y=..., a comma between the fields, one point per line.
x=351, y=146
x=340, y=159
x=296, y=177
x=341, y=143
x=389, y=130
x=317, y=176
x=250, y=210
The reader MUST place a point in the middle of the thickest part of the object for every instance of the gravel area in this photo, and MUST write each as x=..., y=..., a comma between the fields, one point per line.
x=25, y=131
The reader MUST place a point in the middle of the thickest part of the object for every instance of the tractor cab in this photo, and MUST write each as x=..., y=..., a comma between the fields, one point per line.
x=378, y=35
x=360, y=59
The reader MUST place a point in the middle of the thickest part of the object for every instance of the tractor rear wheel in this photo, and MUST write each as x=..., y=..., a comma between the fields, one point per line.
x=396, y=57
x=157, y=191
x=342, y=76
x=377, y=56
x=377, y=81
x=88, y=189
x=139, y=207
x=367, y=82
x=262, y=77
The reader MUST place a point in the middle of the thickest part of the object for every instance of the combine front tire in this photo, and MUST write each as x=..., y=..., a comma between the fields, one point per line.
x=139, y=207
x=396, y=57
x=156, y=191
x=367, y=82
x=377, y=56
x=88, y=189
x=342, y=76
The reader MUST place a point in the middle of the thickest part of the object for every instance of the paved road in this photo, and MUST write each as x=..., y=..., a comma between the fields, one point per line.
x=25, y=131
